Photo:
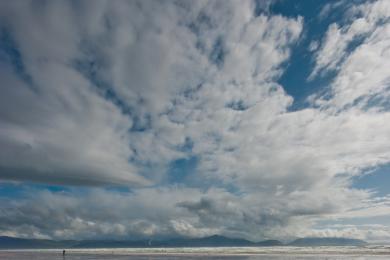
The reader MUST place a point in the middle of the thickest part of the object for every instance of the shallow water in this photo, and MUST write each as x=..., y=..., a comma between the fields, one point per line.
x=248, y=253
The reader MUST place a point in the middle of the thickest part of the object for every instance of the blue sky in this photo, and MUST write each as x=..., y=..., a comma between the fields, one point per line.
x=148, y=119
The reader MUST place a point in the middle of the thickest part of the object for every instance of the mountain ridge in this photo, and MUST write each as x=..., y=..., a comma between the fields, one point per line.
x=210, y=241
x=327, y=241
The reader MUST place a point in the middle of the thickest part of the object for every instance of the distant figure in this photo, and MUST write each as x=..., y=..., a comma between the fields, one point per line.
x=63, y=252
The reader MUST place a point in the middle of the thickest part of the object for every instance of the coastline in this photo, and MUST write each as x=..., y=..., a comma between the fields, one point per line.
x=371, y=250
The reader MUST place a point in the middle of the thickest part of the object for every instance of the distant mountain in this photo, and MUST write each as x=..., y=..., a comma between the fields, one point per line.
x=327, y=241
x=111, y=244
x=269, y=243
x=211, y=241
x=14, y=243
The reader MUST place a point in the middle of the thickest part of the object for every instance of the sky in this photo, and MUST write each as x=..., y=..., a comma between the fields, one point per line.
x=160, y=119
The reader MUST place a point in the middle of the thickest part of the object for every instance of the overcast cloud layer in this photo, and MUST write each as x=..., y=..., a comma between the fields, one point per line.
x=180, y=102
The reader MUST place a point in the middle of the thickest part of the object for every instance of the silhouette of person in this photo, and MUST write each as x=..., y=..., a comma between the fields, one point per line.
x=63, y=252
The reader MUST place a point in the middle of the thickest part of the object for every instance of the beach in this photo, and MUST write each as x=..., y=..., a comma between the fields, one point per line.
x=275, y=253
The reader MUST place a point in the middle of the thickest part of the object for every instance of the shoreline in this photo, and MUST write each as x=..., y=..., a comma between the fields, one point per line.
x=219, y=251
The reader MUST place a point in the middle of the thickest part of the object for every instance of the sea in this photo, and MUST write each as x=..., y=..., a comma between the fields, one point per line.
x=247, y=253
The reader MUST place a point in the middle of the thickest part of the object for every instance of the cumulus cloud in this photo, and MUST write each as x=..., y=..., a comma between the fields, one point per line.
x=115, y=92
x=96, y=97
x=96, y=213
x=150, y=212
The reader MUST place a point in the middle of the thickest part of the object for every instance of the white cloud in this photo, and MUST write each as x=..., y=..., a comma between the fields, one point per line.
x=362, y=76
x=149, y=60
x=115, y=91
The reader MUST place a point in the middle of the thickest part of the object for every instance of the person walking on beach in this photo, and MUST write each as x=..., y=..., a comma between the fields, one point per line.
x=63, y=252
